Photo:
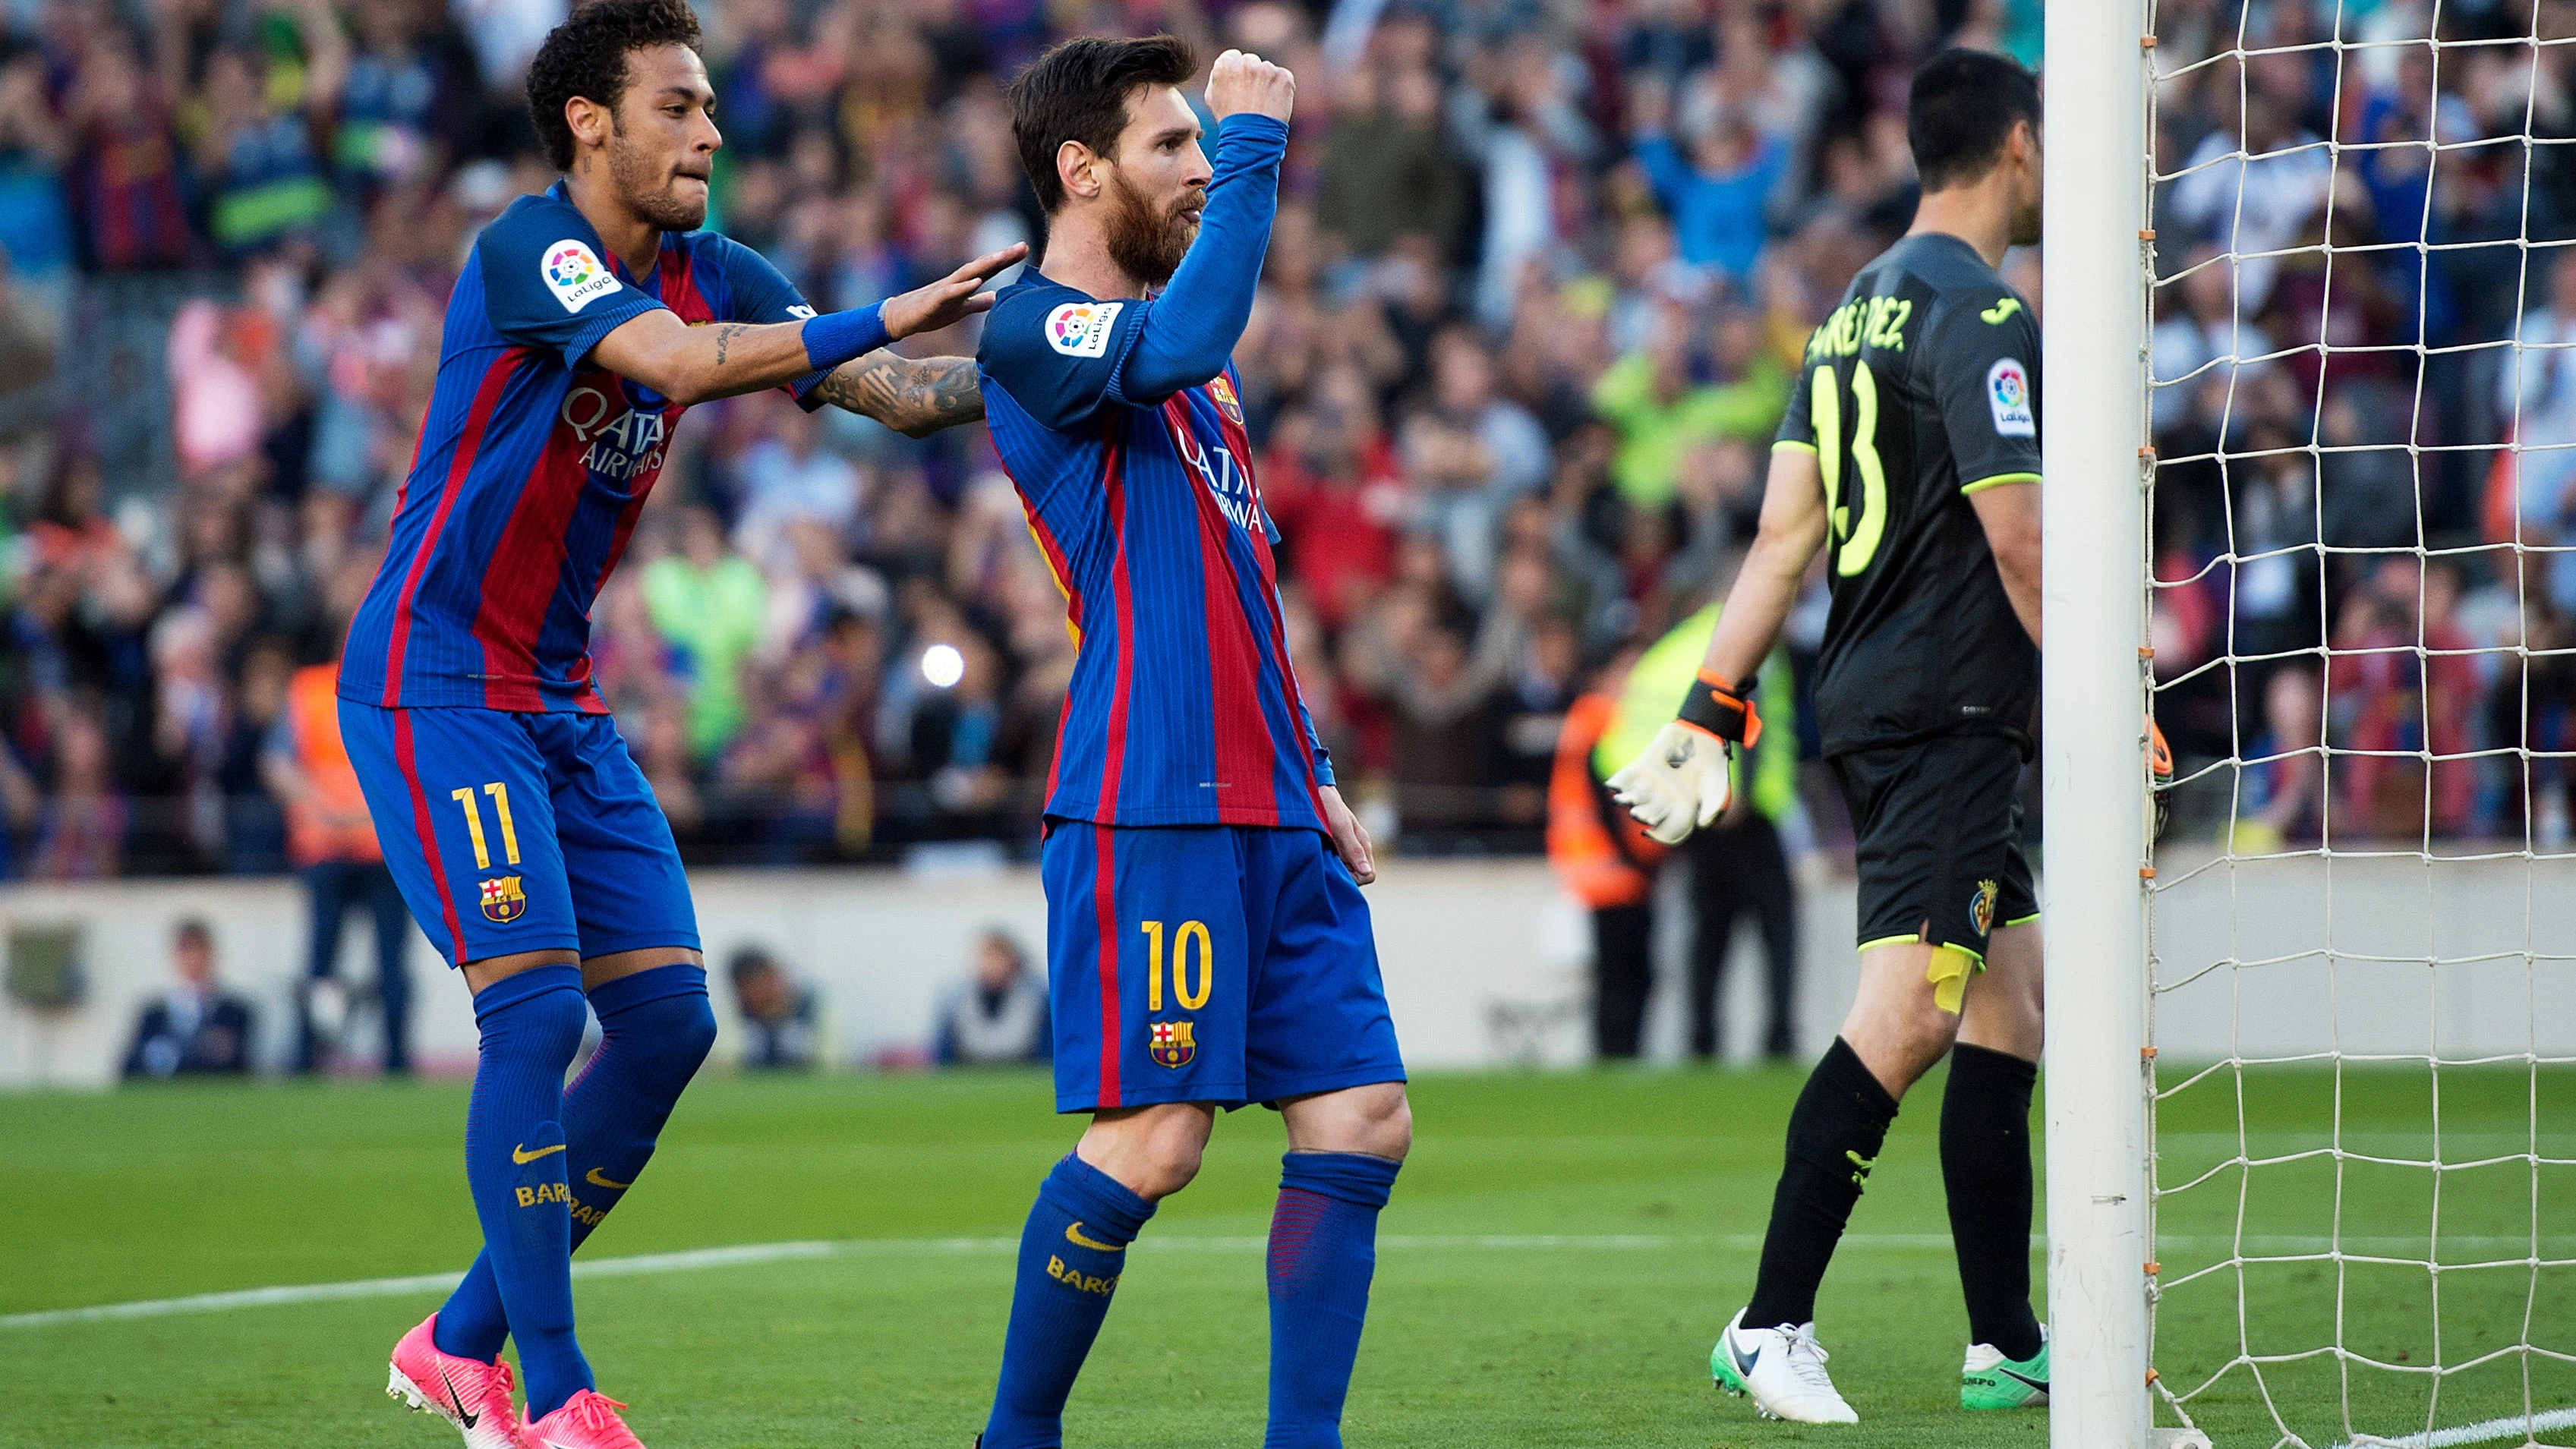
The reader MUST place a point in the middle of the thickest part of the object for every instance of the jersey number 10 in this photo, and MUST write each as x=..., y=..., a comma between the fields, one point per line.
x=1825, y=414
x=1189, y=1000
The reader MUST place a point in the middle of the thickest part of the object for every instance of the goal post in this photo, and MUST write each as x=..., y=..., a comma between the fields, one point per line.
x=2094, y=699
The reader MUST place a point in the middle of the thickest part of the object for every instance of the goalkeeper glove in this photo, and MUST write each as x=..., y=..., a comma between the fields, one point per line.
x=2160, y=773
x=1682, y=782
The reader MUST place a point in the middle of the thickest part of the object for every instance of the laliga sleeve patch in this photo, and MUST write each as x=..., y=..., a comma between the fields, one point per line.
x=575, y=274
x=2008, y=397
x=1081, y=329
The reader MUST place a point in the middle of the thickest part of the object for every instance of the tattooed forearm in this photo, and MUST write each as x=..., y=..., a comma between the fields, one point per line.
x=917, y=396
x=724, y=339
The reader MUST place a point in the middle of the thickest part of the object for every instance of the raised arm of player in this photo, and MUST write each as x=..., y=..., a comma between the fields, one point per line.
x=2009, y=513
x=696, y=364
x=1681, y=782
x=1188, y=335
x=915, y=396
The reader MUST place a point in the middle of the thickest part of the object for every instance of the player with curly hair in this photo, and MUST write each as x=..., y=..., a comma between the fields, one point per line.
x=524, y=838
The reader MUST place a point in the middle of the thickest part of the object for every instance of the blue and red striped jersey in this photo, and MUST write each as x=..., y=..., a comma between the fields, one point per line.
x=534, y=462
x=1184, y=708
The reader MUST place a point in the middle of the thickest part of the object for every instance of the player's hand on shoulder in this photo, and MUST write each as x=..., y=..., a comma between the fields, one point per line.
x=1241, y=83
x=1678, y=785
x=951, y=299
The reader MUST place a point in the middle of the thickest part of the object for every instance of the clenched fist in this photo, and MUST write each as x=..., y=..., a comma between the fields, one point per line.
x=1243, y=83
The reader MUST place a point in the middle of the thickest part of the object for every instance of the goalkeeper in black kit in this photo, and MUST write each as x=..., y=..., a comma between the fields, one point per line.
x=1910, y=458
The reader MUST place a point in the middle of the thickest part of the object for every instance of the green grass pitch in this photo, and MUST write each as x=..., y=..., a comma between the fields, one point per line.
x=1560, y=1253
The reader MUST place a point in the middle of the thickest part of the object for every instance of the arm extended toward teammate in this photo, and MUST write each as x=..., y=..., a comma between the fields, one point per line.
x=697, y=364
x=1188, y=334
x=915, y=396
x=1681, y=782
x=2010, y=515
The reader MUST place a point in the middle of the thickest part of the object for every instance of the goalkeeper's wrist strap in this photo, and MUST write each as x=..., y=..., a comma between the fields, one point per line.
x=837, y=337
x=1718, y=708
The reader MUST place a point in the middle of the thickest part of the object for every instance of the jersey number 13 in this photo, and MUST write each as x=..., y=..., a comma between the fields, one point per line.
x=1825, y=412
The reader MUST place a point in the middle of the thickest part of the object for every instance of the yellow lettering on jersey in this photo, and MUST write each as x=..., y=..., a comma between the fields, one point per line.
x=544, y=1192
x=1888, y=316
x=1875, y=322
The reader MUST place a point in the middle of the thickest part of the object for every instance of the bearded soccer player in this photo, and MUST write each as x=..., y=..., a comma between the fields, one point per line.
x=526, y=842
x=1910, y=457
x=1208, y=943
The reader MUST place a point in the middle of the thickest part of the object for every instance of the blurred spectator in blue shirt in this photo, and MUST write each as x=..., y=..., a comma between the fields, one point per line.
x=777, y=1013
x=198, y=1029
x=1716, y=190
x=999, y=1016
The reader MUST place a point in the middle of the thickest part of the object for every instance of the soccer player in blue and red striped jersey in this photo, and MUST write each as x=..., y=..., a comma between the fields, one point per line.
x=1208, y=944
x=524, y=838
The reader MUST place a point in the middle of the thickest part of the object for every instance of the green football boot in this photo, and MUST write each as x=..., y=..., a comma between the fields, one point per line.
x=1988, y=1380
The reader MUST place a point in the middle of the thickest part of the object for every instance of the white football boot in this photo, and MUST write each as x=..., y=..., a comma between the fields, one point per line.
x=1783, y=1369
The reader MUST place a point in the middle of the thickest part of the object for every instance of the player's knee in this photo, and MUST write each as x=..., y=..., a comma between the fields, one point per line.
x=692, y=1032
x=541, y=1026
x=1929, y=1034
x=1154, y=1152
x=1388, y=1130
x=1374, y=1120
x=1164, y=1165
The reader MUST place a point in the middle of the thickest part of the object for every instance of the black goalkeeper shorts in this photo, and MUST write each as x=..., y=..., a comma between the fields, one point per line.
x=1939, y=829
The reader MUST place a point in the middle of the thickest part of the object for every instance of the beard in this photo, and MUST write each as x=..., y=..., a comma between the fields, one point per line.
x=1144, y=244
x=2025, y=224
x=649, y=192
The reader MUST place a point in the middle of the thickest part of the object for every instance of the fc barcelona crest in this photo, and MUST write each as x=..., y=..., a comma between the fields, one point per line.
x=1981, y=907
x=1221, y=391
x=1172, y=1044
x=503, y=901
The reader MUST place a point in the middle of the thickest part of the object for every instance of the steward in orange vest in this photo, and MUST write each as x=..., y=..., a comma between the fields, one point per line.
x=1603, y=856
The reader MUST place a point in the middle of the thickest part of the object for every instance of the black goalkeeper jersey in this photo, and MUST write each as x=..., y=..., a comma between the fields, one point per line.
x=1920, y=389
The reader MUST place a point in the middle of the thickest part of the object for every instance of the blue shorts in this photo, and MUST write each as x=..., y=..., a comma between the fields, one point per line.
x=519, y=832
x=1218, y=963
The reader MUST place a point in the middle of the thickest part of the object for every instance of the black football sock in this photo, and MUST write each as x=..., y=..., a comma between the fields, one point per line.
x=1985, y=1164
x=1834, y=1135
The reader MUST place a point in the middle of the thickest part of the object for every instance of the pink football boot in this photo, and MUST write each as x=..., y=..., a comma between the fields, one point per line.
x=473, y=1396
x=587, y=1420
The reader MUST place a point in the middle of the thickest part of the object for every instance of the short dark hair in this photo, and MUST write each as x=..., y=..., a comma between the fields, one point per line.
x=748, y=962
x=192, y=931
x=586, y=57
x=1962, y=105
x=1078, y=92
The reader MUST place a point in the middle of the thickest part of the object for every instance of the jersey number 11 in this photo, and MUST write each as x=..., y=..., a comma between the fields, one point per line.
x=1825, y=412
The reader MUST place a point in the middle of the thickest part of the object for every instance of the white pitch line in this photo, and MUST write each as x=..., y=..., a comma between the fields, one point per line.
x=751, y=1253
x=2529, y=1426
x=754, y=1253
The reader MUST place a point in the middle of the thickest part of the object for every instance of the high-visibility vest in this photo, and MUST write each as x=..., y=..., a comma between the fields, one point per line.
x=1601, y=854
x=1656, y=685
x=330, y=823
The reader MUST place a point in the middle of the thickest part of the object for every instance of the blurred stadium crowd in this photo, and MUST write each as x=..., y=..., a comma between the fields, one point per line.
x=1532, y=307
x=2364, y=413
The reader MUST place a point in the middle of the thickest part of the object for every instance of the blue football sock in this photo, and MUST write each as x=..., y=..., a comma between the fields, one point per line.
x=1323, y=1250
x=514, y=1162
x=655, y=1028
x=1071, y=1254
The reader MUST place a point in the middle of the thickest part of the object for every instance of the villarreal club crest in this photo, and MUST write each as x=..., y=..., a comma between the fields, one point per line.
x=503, y=900
x=1171, y=1043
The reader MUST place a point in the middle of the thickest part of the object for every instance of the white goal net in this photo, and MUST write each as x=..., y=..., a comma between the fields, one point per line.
x=2361, y=934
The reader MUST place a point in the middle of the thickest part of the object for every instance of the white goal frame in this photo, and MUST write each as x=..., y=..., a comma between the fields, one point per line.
x=2094, y=692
